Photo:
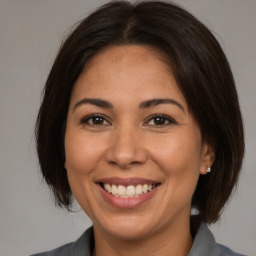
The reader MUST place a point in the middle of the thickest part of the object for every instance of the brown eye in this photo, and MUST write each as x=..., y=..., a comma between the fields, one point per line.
x=96, y=120
x=160, y=120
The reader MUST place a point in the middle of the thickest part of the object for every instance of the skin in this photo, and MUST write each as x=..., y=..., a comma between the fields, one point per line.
x=127, y=142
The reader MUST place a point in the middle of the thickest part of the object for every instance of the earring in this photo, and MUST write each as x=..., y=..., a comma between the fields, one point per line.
x=208, y=170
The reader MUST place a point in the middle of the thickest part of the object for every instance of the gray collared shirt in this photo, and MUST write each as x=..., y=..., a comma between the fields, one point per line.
x=204, y=245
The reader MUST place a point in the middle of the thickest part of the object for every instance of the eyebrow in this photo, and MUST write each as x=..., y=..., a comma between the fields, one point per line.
x=155, y=102
x=96, y=102
x=145, y=104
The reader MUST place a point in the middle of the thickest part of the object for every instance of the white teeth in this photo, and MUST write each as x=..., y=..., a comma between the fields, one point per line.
x=108, y=188
x=129, y=191
x=145, y=188
x=114, y=190
x=121, y=190
x=139, y=190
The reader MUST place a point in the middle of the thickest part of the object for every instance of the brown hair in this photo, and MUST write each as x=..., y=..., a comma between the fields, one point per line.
x=201, y=71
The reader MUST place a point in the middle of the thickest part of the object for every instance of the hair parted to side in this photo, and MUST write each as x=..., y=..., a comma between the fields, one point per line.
x=201, y=71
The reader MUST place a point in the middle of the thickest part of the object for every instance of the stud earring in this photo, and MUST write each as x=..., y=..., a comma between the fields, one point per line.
x=208, y=170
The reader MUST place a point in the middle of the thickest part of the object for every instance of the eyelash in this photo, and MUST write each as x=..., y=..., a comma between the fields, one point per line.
x=85, y=120
x=163, y=117
x=88, y=120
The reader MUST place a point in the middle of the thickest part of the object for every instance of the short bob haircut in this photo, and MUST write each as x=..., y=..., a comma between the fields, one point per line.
x=201, y=70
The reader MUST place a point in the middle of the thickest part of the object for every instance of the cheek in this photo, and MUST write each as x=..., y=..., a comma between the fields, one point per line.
x=82, y=152
x=178, y=155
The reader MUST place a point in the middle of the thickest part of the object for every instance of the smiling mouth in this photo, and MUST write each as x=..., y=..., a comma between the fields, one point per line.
x=129, y=191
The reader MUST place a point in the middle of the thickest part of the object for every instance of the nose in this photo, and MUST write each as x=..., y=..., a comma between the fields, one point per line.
x=126, y=149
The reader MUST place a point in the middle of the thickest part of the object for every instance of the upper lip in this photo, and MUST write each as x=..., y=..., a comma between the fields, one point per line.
x=126, y=181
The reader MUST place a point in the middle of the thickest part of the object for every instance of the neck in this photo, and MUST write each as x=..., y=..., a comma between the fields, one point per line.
x=174, y=240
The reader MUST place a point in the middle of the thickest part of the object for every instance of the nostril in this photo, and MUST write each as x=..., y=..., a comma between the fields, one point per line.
x=112, y=162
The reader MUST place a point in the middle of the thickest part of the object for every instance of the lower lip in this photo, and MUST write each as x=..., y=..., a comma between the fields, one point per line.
x=127, y=203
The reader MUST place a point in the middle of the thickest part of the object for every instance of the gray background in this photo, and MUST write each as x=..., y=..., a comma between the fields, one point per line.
x=30, y=34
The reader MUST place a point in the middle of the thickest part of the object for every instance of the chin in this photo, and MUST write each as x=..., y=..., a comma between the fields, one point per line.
x=127, y=227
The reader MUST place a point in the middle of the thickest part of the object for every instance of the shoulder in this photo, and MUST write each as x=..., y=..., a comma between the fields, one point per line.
x=225, y=251
x=205, y=244
x=81, y=247
x=64, y=250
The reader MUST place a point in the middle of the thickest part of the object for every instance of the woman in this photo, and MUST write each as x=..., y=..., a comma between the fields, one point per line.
x=140, y=121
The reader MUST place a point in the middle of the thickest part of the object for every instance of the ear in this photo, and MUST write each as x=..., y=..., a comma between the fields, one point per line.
x=207, y=157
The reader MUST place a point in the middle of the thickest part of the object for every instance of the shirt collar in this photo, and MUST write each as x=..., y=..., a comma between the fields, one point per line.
x=204, y=242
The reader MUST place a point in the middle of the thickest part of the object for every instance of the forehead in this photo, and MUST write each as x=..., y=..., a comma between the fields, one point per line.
x=127, y=54
x=131, y=70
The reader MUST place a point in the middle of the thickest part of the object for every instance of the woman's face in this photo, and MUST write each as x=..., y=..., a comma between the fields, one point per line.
x=129, y=131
